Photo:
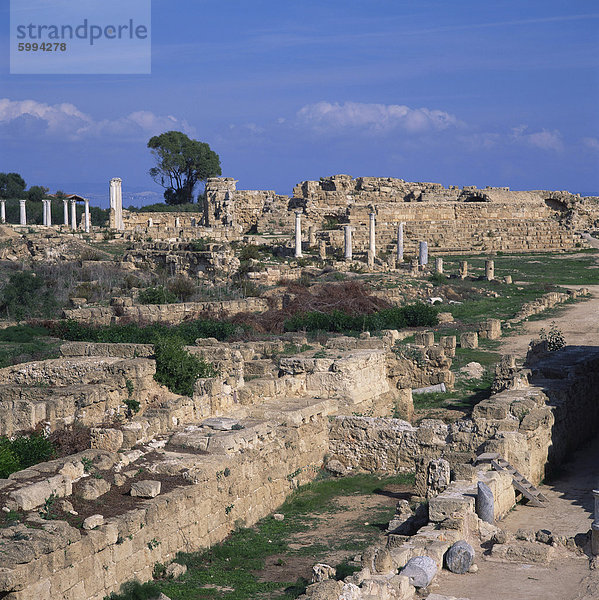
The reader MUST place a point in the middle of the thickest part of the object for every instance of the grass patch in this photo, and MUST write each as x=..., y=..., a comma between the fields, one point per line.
x=24, y=343
x=232, y=566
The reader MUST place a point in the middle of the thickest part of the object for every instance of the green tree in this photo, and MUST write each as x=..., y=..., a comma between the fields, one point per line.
x=36, y=193
x=12, y=185
x=180, y=164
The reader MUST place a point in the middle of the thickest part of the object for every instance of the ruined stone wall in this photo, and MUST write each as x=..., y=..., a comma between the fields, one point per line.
x=534, y=428
x=214, y=260
x=161, y=313
x=63, y=392
x=64, y=562
x=450, y=219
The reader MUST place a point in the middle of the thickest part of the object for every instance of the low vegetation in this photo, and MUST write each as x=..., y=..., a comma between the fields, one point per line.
x=176, y=368
x=234, y=569
x=23, y=452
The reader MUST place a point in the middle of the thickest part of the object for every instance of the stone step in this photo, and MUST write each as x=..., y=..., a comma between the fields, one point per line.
x=525, y=487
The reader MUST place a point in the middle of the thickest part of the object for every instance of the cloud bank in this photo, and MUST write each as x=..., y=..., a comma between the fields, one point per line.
x=375, y=118
x=66, y=121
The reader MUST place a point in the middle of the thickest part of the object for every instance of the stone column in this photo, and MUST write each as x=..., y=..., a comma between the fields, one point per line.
x=347, y=242
x=463, y=272
x=49, y=209
x=116, y=203
x=422, y=254
x=44, y=212
x=439, y=265
x=595, y=526
x=298, y=234
x=311, y=236
x=372, y=236
x=73, y=213
x=23, y=212
x=322, y=250
x=400, y=243
x=489, y=270
x=65, y=206
x=87, y=217
x=177, y=222
x=3, y=211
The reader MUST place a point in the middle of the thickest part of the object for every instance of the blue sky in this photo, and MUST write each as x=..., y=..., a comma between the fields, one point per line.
x=463, y=93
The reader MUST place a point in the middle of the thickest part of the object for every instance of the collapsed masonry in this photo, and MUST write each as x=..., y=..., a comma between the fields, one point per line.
x=450, y=219
x=233, y=452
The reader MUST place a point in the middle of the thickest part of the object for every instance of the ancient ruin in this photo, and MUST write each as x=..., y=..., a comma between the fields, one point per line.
x=278, y=403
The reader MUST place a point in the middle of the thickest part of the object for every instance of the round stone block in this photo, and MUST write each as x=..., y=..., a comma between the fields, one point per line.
x=420, y=570
x=459, y=557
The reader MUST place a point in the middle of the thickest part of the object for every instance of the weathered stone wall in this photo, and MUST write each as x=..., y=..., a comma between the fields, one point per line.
x=125, y=311
x=59, y=561
x=533, y=428
x=204, y=259
x=450, y=219
x=62, y=392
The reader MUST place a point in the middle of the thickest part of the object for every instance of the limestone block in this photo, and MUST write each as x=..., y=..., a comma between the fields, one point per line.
x=438, y=477
x=31, y=496
x=106, y=439
x=445, y=317
x=469, y=339
x=424, y=338
x=524, y=552
x=93, y=488
x=449, y=504
x=321, y=572
x=490, y=329
x=93, y=522
x=175, y=570
x=72, y=469
x=145, y=489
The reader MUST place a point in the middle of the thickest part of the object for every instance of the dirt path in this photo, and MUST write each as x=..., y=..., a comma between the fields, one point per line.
x=567, y=577
x=579, y=324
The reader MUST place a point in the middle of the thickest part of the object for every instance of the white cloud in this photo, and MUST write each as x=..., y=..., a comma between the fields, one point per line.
x=591, y=142
x=377, y=118
x=68, y=122
x=545, y=139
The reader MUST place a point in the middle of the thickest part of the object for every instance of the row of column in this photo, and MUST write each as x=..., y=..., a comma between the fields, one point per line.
x=347, y=230
x=47, y=213
x=422, y=248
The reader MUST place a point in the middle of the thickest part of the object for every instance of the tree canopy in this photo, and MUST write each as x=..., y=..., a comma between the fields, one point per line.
x=180, y=164
x=12, y=185
x=36, y=193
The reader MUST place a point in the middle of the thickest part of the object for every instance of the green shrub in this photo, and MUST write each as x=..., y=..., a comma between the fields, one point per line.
x=22, y=334
x=249, y=251
x=414, y=315
x=176, y=368
x=33, y=449
x=156, y=295
x=554, y=338
x=183, y=288
x=23, y=452
x=26, y=295
x=132, y=333
x=9, y=462
x=201, y=244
